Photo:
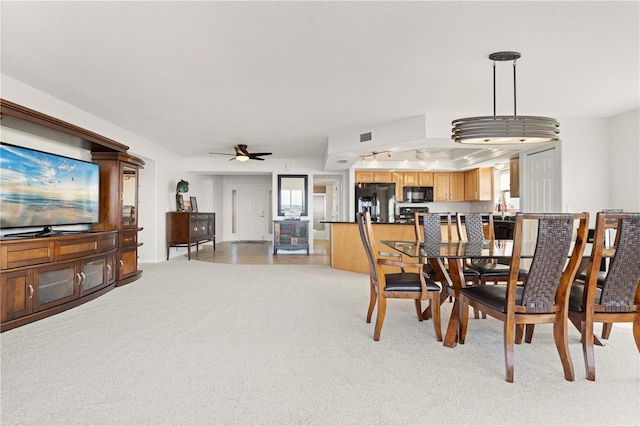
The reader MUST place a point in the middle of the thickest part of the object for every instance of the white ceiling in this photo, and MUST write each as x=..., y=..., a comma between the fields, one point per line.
x=285, y=76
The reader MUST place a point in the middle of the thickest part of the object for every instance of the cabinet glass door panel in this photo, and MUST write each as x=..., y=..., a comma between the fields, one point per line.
x=56, y=285
x=93, y=274
x=129, y=196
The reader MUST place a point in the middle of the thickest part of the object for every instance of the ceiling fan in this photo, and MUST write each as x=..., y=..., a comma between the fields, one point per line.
x=243, y=155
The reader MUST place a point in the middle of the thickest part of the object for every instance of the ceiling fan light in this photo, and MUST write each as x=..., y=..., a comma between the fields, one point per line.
x=242, y=158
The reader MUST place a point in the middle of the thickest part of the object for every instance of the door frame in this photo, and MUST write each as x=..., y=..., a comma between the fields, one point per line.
x=525, y=177
x=231, y=207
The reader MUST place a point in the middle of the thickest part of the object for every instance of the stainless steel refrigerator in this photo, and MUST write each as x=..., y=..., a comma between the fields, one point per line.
x=379, y=199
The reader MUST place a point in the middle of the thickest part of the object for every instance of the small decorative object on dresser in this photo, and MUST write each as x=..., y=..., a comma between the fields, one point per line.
x=194, y=204
x=181, y=187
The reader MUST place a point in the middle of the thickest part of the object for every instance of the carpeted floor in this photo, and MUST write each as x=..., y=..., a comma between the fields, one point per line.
x=195, y=343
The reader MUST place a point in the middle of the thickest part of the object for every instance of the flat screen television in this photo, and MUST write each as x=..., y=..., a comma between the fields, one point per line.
x=39, y=189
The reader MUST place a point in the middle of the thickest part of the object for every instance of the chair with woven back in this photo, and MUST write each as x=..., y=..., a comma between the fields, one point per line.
x=544, y=296
x=614, y=297
x=429, y=227
x=398, y=285
x=610, y=225
x=478, y=227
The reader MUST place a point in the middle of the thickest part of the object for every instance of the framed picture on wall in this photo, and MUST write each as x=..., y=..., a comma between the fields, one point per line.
x=194, y=204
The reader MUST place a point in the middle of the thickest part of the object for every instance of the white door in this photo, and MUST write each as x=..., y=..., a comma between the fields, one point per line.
x=253, y=212
x=542, y=183
x=541, y=192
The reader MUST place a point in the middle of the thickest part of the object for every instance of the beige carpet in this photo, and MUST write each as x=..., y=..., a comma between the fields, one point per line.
x=203, y=343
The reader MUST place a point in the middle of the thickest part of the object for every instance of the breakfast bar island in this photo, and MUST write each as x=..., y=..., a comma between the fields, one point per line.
x=347, y=253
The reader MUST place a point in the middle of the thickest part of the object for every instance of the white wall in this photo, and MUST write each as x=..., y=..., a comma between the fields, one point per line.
x=586, y=165
x=624, y=138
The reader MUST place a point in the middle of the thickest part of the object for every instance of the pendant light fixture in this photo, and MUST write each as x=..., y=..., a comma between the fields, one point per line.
x=505, y=129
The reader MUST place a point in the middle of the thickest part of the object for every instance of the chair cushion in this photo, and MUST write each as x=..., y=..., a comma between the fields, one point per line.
x=575, y=298
x=468, y=272
x=408, y=281
x=601, y=277
x=496, y=269
x=492, y=296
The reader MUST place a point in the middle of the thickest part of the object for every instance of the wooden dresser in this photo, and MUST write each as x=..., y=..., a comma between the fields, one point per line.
x=185, y=229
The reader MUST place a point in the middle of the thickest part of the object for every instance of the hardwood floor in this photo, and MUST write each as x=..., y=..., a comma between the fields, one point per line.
x=260, y=254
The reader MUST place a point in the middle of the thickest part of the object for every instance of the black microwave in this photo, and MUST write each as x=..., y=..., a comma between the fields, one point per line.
x=418, y=194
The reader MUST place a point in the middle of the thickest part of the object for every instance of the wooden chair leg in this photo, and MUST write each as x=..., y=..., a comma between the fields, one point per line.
x=509, y=338
x=529, y=334
x=606, y=329
x=435, y=316
x=560, y=331
x=519, y=333
x=587, y=349
x=418, y=309
x=382, y=310
x=373, y=297
x=463, y=322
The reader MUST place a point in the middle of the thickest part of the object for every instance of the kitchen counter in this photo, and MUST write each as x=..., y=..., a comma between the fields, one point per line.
x=347, y=252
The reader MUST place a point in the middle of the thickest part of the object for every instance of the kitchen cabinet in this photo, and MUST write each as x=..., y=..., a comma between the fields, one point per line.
x=478, y=184
x=425, y=179
x=410, y=178
x=448, y=186
x=382, y=177
x=398, y=179
x=514, y=177
x=369, y=176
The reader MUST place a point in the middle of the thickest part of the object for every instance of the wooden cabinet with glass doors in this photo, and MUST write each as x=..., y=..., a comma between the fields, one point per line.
x=119, y=208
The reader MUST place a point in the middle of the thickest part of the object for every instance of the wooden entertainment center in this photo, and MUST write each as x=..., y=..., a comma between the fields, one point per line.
x=42, y=276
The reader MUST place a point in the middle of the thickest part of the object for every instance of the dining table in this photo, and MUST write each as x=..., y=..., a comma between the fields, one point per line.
x=456, y=253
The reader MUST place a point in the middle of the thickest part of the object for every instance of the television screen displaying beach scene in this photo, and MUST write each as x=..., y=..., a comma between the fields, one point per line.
x=39, y=189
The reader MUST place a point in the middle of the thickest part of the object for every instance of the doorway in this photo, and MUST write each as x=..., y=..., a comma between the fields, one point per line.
x=327, y=203
x=251, y=212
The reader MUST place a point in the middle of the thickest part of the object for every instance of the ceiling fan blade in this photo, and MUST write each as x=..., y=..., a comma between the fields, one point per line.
x=259, y=154
x=251, y=157
x=220, y=153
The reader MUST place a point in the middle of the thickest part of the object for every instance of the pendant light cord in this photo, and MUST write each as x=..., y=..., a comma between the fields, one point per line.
x=494, y=89
x=514, y=88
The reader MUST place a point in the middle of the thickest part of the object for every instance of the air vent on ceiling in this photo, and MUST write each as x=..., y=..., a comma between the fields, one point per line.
x=365, y=137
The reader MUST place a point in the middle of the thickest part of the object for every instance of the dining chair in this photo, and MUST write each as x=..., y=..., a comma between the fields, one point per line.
x=399, y=285
x=614, y=297
x=373, y=293
x=610, y=226
x=478, y=227
x=544, y=296
x=429, y=227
